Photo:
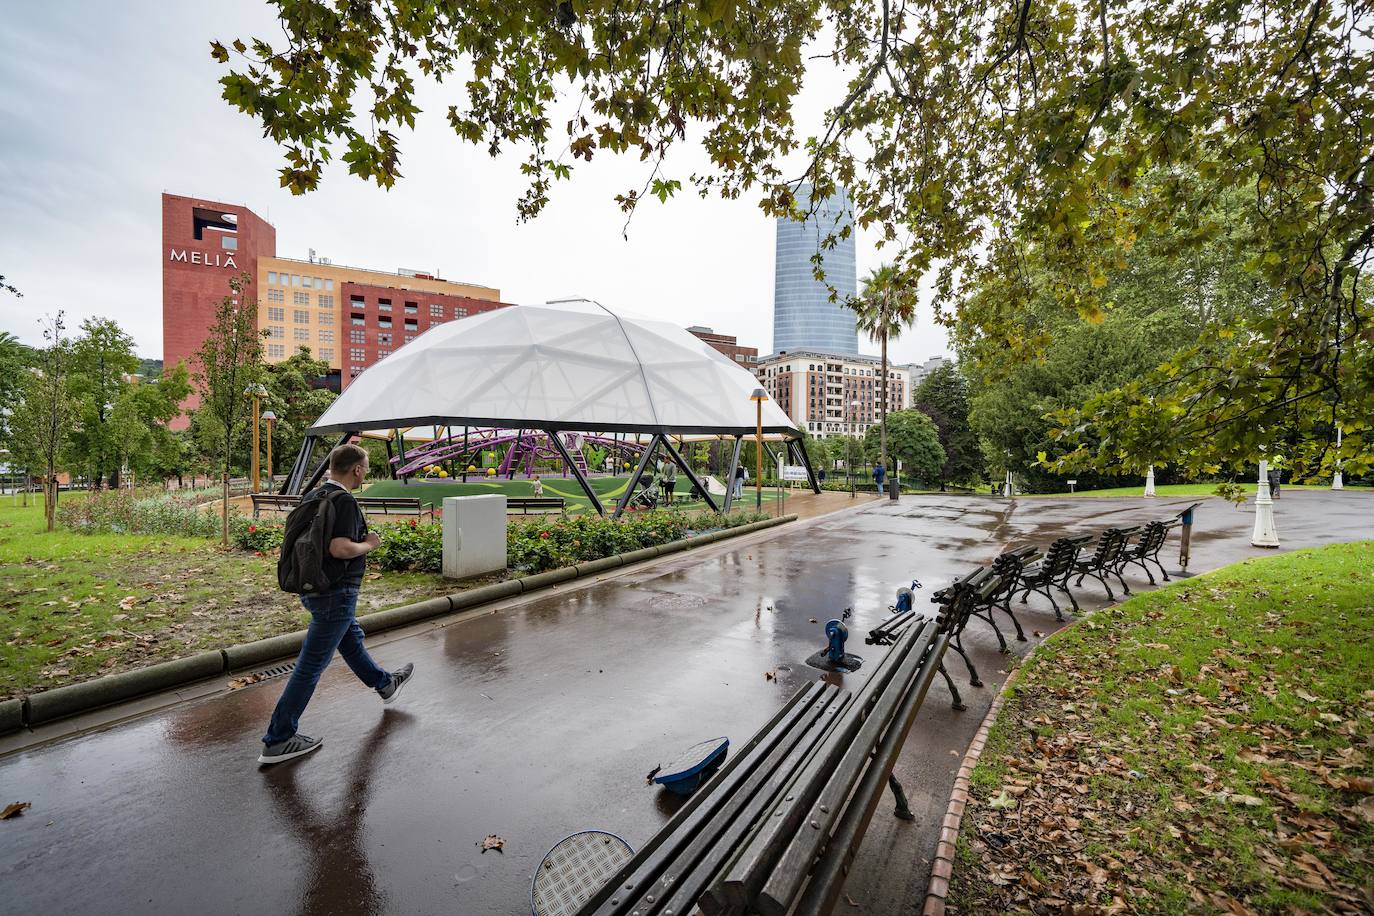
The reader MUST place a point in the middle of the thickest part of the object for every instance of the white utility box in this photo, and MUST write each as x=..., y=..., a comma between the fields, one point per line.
x=474, y=535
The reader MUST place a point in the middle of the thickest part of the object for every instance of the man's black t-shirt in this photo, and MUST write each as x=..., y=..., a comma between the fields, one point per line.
x=348, y=523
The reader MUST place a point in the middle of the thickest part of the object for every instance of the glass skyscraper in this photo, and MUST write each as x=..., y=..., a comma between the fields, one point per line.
x=803, y=315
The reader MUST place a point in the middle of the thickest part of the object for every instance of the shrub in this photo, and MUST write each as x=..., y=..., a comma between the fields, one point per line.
x=409, y=546
x=120, y=512
x=248, y=534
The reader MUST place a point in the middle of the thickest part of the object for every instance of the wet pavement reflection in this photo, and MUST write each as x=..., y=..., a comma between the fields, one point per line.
x=540, y=720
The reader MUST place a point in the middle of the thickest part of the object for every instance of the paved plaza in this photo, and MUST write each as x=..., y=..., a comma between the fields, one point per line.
x=541, y=717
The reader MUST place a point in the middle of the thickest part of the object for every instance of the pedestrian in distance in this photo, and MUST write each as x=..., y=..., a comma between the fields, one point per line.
x=879, y=475
x=328, y=585
x=741, y=474
x=538, y=486
x=668, y=478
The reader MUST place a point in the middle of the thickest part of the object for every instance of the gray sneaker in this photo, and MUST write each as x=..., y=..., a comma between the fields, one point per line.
x=295, y=746
x=399, y=679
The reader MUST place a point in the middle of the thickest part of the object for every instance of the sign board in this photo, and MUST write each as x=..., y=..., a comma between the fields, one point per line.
x=794, y=472
x=1073, y=482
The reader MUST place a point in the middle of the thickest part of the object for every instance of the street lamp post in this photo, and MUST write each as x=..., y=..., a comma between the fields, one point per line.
x=1266, y=534
x=758, y=397
x=853, y=437
x=256, y=391
x=269, y=418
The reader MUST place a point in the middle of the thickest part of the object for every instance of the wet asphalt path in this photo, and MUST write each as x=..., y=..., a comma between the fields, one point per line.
x=540, y=720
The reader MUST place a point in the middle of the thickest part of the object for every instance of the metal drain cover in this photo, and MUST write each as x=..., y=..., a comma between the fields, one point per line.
x=575, y=869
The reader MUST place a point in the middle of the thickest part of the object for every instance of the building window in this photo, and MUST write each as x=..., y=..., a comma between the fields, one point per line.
x=276, y=295
x=295, y=279
x=328, y=284
x=276, y=351
x=435, y=310
x=301, y=316
x=412, y=308
x=326, y=335
x=412, y=324
x=276, y=332
x=301, y=334
x=383, y=305
x=325, y=301
x=409, y=338
x=307, y=282
x=357, y=336
x=276, y=314
x=300, y=298
x=272, y=277
x=357, y=302
x=358, y=320
x=384, y=339
x=383, y=354
x=460, y=313
x=230, y=242
x=327, y=354
x=383, y=322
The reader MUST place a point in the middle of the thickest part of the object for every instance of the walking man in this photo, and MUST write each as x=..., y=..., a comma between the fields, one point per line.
x=332, y=621
x=879, y=475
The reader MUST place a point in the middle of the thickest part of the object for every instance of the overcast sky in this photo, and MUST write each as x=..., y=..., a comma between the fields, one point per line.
x=105, y=105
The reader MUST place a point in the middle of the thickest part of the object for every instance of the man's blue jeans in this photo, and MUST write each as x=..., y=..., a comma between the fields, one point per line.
x=332, y=626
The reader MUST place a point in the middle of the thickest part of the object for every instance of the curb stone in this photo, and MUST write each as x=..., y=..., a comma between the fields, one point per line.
x=942, y=866
x=62, y=702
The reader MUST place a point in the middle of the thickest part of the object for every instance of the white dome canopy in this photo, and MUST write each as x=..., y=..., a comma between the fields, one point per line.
x=572, y=365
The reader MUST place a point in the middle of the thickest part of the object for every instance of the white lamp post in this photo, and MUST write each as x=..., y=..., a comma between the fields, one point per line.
x=1265, y=534
x=1336, y=482
x=1150, y=482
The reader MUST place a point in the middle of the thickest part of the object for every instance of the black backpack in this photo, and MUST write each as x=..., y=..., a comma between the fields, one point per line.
x=305, y=546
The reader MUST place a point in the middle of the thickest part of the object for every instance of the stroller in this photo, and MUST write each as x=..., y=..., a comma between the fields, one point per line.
x=648, y=494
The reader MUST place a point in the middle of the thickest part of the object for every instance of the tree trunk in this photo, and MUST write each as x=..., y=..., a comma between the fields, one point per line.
x=882, y=409
x=224, y=510
x=50, y=498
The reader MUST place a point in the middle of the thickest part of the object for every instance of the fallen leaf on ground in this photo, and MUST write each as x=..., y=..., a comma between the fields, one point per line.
x=770, y=675
x=128, y=602
x=493, y=842
x=849, y=900
x=14, y=810
x=237, y=682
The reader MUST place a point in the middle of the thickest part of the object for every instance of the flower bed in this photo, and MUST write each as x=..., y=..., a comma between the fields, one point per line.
x=533, y=546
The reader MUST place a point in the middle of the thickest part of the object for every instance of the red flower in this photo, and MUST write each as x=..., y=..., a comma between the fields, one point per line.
x=543, y=534
x=414, y=522
x=252, y=528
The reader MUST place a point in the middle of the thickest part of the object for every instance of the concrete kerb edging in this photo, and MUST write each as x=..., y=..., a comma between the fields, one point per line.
x=61, y=702
x=942, y=867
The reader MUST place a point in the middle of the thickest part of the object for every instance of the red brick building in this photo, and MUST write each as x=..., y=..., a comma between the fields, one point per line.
x=349, y=317
x=745, y=356
x=378, y=320
x=204, y=244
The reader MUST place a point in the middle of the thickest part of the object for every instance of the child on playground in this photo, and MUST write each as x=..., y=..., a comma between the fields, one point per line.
x=538, y=486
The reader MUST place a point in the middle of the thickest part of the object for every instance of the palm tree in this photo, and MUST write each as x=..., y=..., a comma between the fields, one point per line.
x=886, y=308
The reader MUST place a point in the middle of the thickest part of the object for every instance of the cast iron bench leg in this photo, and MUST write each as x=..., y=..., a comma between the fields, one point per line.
x=902, y=812
x=972, y=671
x=954, y=691
x=1020, y=633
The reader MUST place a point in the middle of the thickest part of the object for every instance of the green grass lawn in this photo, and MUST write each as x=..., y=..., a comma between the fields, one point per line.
x=607, y=489
x=1175, y=489
x=75, y=606
x=1207, y=747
